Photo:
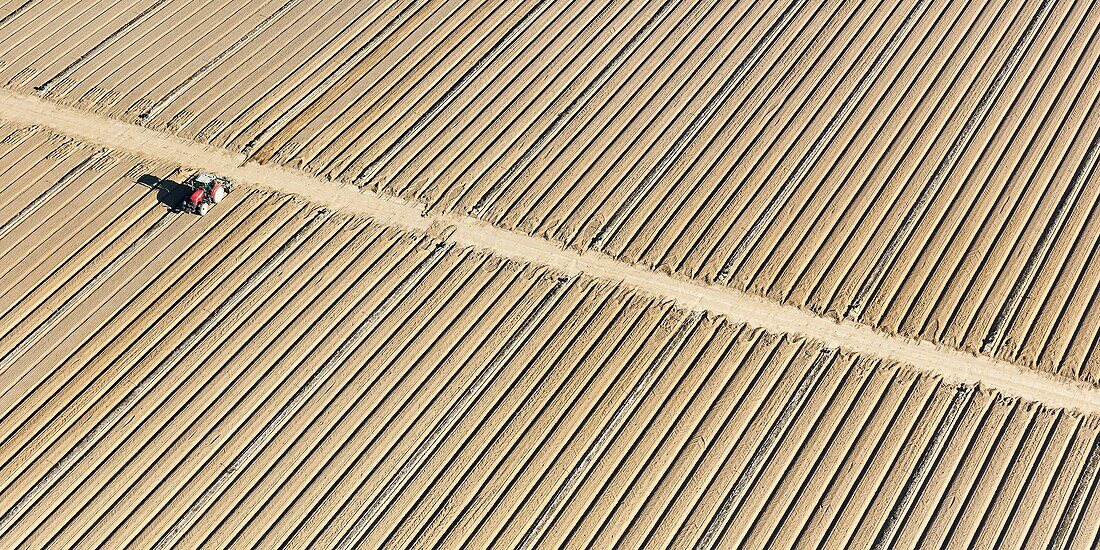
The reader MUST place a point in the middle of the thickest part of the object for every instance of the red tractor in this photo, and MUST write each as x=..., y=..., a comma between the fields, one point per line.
x=206, y=190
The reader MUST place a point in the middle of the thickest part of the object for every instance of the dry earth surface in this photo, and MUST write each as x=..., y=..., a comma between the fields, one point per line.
x=533, y=273
x=923, y=167
x=278, y=373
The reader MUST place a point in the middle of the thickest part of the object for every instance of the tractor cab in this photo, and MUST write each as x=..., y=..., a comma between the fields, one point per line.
x=206, y=190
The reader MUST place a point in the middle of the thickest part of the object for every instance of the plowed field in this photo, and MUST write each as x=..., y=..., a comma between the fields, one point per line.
x=926, y=168
x=275, y=373
x=550, y=274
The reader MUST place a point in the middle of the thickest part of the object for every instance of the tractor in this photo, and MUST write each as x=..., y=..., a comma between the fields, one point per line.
x=206, y=190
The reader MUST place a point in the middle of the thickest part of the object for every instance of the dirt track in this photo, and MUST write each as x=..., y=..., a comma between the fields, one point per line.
x=741, y=307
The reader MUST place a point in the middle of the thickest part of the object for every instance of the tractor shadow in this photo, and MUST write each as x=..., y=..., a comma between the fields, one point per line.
x=169, y=193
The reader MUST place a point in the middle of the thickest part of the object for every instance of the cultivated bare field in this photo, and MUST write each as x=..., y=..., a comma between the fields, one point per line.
x=278, y=373
x=924, y=167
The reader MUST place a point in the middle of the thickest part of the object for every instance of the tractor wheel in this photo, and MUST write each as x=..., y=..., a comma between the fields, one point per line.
x=204, y=208
x=218, y=194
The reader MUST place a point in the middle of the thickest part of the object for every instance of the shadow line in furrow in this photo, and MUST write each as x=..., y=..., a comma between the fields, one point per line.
x=466, y=523
x=541, y=62
x=732, y=502
x=85, y=361
x=454, y=414
x=233, y=48
x=927, y=461
x=824, y=139
x=118, y=336
x=153, y=449
x=942, y=502
x=521, y=420
x=947, y=164
x=78, y=362
x=303, y=394
x=62, y=466
x=863, y=449
x=322, y=498
x=1041, y=483
x=85, y=291
x=355, y=416
x=46, y=195
x=566, y=116
x=603, y=440
x=1014, y=509
x=819, y=462
x=15, y=13
x=1021, y=111
x=1041, y=249
x=306, y=103
x=661, y=467
x=986, y=469
x=702, y=118
x=600, y=121
x=47, y=86
x=259, y=356
x=692, y=394
x=1017, y=460
x=662, y=246
x=453, y=92
x=336, y=302
x=684, y=484
x=1086, y=484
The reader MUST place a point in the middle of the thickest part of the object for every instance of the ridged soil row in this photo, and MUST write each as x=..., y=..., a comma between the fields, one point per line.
x=895, y=163
x=779, y=91
x=302, y=37
x=961, y=219
x=312, y=379
x=49, y=38
x=37, y=460
x=438, y=28
x=270, y=122
x=113, y=466
x=241, y=361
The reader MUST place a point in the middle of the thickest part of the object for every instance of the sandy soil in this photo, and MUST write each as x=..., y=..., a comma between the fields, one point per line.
x=953, y=365
x=313, y=378
x=924, y=170
x=531, y=273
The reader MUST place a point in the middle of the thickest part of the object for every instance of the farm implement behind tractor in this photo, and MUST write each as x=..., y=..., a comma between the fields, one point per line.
x=206, y=190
